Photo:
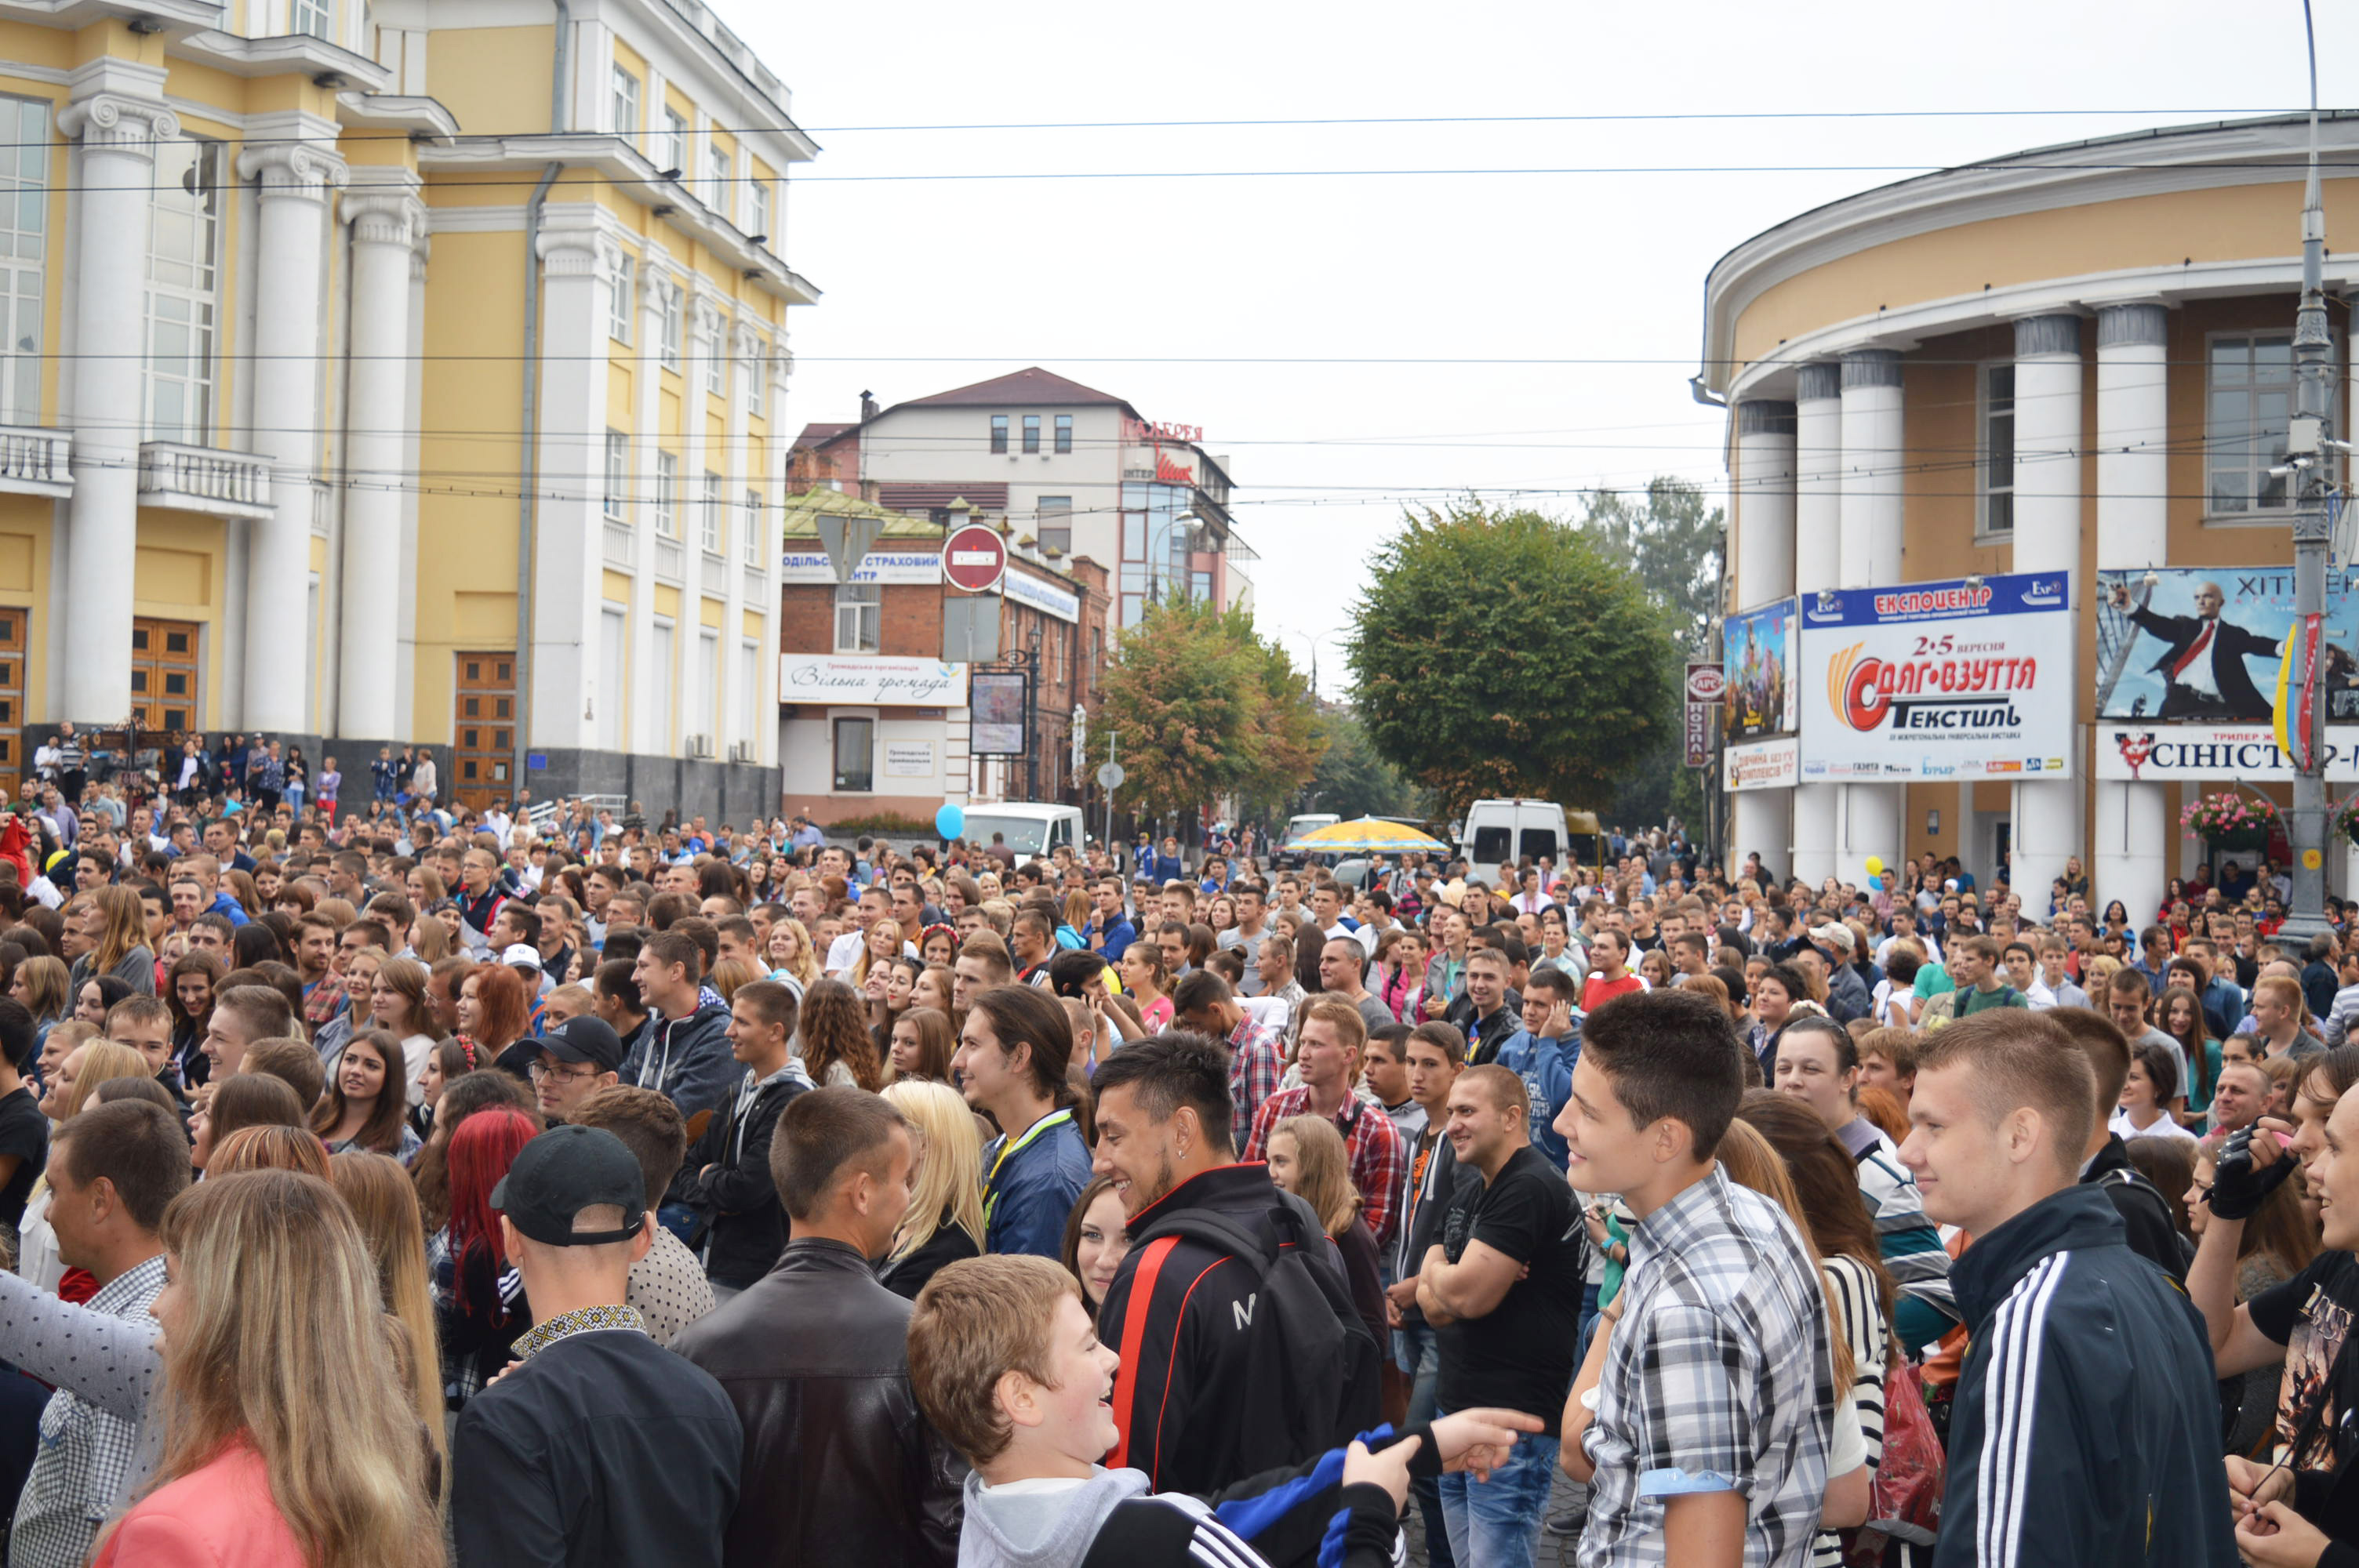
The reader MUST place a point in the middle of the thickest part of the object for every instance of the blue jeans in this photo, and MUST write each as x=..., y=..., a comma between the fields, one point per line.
x=1496, y=1523
x=1418, y=1355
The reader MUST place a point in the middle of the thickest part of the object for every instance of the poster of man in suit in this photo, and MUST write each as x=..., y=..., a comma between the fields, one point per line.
x=2202, y=644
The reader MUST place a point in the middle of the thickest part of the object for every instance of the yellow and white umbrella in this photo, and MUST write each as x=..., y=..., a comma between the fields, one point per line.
x=1369, y=834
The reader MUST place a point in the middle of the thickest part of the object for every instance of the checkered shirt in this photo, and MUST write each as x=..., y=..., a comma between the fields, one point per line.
x=1255, y=1064
x=86, y=1457
x=1719, y=1377
x=1378, y=1157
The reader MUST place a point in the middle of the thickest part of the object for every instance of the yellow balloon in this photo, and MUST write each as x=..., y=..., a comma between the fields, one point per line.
x=1875, y=865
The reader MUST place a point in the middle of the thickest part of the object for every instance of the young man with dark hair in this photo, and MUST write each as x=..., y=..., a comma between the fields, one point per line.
x=685, y=1051
x=728, y=1179
x=1490, y=1011
x=2149, y=1227
x=838, y=1465
x=241, y=1016
x=1716, y=1394
x=1541, y=1053
x=1210, y=1390
x=1012, y=1060
x=2086, y=1402
x=1436, y=1055
x=1203, y=1002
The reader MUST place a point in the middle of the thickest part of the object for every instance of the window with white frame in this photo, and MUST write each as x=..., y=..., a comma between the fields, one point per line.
x=673, y=150
x=1998, y=449
x=661, y=681
x=613, y=637
x=2248, y=399
x=1031, y=432
x=708, y=680
x=23, y=243
x=757, y=528
x=707, y=520
x=761, y=208
x=183, y=289
x=626, y=106
x=721, y=190
x=622, y=300
x=1052, y=523
x=674, y=304
x=316, y=17
x=999, y=432
x=758, y=380
x=855, y=754
x=859, y=617
x=749, y=690
x=667, y=495
x=618, y=476
x=708, y=348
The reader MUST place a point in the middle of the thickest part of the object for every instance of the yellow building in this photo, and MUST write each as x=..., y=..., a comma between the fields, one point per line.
x=2073, y=362
x=384, y=371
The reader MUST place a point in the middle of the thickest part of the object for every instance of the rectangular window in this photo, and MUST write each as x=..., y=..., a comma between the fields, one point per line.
x=1064, y=432
x=749, y=693
x=626, y=106
x=708, y=680
x=708, y=346
x=661, y=681
x=183, y=285
x=758, y=380
x=2249, y=399
x=709, y=513
x=1052, y=522
x=721, y=190
x=674, y=306
x=622, y=302
x=855, y=754
x=613, y=633
x=999, y=432
x=1998, y=449
x=757, y=528
x=667, y=495
x=1031, y=432
x=316, y=17
x=761, y=222
x=859, y=613
x=618, y=476
x=673, y=150
x=24, y=229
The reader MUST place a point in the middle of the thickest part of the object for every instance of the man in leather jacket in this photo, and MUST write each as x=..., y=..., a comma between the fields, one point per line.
x=839, y=1466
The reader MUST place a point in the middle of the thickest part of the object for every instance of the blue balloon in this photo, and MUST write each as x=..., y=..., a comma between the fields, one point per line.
x=951, y=821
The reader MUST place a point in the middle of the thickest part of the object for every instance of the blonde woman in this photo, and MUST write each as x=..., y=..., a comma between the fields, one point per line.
x=792, y=962
x=385, y=1202
x=117, y=927
x=881, y=946
x=46, y=987
x=944, y=1222
x=1308, y=1158
x=71, y=1086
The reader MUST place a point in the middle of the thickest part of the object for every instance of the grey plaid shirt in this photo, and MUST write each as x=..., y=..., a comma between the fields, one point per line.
x=86, y=1455
x=1719, y=1377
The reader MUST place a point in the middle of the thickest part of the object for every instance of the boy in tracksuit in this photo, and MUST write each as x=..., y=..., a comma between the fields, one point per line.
x=1007, y=1365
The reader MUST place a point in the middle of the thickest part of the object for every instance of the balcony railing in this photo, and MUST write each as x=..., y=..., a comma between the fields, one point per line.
x=716, y=575
x=202, y=479
x=757, y=588
x=622, y=545
x=35, y=462
x=670, y=560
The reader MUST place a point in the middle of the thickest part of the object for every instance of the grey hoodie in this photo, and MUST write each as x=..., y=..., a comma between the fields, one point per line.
x=1040, y=1527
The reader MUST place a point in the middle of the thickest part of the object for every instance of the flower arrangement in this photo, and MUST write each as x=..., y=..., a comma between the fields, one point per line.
x=2344, y=819
x=2230, y=819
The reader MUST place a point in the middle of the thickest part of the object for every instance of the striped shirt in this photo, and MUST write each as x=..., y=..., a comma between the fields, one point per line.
x=1910, y=1244
x=1861, y=1323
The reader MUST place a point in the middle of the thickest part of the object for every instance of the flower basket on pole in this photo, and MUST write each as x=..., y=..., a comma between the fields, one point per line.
x=2230, y=823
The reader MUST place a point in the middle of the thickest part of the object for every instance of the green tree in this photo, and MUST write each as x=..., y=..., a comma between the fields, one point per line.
x=1505, y=653
x=1205, y=709
x=1352, y=779
x=1674, y=541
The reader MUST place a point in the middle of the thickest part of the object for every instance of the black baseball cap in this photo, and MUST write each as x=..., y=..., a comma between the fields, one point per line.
x=585, y=1039
x=565, y=1171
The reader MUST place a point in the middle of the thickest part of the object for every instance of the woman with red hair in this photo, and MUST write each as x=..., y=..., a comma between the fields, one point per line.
x=496, y=1016
x=477, y=1307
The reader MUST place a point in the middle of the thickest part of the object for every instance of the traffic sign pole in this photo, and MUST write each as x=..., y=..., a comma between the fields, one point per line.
x=1110, y=776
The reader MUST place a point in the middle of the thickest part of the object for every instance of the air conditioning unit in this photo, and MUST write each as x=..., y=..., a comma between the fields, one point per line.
x=741, y=751
x=700, y=745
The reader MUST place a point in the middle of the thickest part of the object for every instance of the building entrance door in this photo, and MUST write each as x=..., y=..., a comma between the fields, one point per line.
x=163, y=677
x=12, y=701
x=482, y=746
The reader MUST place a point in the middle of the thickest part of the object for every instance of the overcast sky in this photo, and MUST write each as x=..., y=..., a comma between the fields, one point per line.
x=1228, y=302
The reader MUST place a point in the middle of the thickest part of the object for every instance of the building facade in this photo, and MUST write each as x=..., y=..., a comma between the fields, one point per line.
x=1076, y=471
x=385, y=371
x=900, y=693
x=2073, y=362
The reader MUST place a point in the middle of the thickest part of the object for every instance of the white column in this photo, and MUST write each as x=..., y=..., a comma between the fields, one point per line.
x=2134, y=845
x=568, y=555
x=413, y=396
x=1762, y=820
x=290, y=153
x=2047, y=456
x=780, y=369
x=645, y=737
x=736, y=478
x=117, y=111
x=1818, y=562
x=386, y=218
x=1872, y=437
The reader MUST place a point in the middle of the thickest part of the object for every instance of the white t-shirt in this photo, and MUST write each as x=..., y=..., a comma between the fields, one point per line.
x=2167, y=1127
x=844, y=951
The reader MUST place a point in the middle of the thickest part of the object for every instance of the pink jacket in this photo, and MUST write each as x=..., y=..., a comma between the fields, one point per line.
x=221, y=1516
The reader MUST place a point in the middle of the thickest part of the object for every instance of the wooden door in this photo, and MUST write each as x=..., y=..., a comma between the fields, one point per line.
x=164, y=678
x=483, y=747
x=13, y=620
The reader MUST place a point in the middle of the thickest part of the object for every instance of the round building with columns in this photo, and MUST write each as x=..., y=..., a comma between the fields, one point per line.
x=2060, y=379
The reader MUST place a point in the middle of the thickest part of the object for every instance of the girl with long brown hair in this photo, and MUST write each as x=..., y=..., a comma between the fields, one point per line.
x=836, y=1045
x=366, y=1105
x=118, y=928
x=495, y=1012
x=384, y=1204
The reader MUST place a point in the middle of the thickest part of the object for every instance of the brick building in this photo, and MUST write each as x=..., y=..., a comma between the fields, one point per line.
x=874, y=696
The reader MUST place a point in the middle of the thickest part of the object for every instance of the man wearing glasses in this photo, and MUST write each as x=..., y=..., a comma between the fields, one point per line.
x=578, y=1058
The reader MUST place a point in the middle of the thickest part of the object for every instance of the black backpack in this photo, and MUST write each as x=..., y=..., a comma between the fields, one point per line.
x=1319, y=1351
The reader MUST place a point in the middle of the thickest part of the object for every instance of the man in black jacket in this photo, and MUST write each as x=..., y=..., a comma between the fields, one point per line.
x=2105, y=1161
x=2086, y=1426
x=839, y=1466
x=727, y=1180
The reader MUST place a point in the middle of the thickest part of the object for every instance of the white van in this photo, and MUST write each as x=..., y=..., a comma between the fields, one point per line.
x=1028, y=828
x=1497, y=831
x=1288, y=855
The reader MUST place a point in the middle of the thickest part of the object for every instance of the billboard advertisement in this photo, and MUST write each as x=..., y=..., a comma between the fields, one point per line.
x=999, y=702
x=1757, y=660
x=2150, y=751
x=1939, y=680
x=1764, y=764
x=1704, y=689
x=2199, y=645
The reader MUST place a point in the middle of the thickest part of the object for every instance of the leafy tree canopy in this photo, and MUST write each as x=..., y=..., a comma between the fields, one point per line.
x=1205, y=709
x=1352, y=779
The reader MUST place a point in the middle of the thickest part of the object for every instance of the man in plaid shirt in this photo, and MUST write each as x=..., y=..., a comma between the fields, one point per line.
x=1714, y=1375
x=1204, y=1003
x=1327, y=1051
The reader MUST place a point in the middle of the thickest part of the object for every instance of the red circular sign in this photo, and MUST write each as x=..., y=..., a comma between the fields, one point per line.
x=974, y=558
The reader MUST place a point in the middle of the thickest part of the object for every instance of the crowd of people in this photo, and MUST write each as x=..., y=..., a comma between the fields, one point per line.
x=400, y=1183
